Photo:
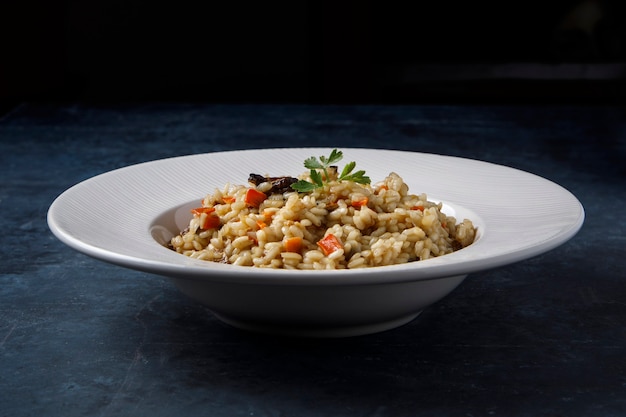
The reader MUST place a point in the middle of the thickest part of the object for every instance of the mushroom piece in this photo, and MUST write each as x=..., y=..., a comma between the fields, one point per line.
x=279, y=184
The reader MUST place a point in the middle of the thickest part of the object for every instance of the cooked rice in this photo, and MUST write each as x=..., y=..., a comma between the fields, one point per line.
x=393, y=227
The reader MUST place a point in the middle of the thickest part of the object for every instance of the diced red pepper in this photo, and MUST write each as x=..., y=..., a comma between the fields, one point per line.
x=211, y=221
x=228, y=199
x=254, y=197
x=199, y=210
x=329, y=244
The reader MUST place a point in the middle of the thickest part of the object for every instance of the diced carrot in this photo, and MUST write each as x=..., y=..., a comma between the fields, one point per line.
x=360, y=203
x=420, y=208
x=254, y=197
x=228, y=199
x=293, y=244
x=261, y=224
x=329, y=244
x=199, y=210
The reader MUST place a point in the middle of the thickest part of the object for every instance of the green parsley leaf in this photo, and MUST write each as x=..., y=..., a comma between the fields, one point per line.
x=358, y=177
x=323, y=163
x=313, y=163
x=303, y=186
x=347, y=170
x=335, y=156
x=316, y=177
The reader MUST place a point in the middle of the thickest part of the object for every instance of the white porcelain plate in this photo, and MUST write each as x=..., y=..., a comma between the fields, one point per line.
x=127, y=215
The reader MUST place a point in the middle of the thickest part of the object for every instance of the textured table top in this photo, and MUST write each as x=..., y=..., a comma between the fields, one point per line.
x=542, y=337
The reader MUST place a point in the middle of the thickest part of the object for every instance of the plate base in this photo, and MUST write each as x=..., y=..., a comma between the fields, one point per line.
x=317, y=332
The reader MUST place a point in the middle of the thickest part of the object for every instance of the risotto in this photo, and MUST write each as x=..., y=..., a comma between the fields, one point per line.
x=339, y=222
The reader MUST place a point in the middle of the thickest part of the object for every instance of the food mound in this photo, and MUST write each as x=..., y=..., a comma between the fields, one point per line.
x=323, y=220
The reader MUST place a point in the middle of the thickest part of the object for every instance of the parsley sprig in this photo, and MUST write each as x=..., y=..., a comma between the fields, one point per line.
x=323, y=163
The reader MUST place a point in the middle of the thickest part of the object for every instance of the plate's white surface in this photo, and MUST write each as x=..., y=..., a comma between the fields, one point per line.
x=123, y=216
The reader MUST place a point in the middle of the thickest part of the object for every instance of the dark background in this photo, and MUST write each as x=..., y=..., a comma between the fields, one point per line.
x=313, y=51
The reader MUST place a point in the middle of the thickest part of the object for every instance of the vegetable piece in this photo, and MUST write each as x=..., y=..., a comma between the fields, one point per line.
x=420, y=208
x=199, y=210
x=228, y=199
x=303, y=186
x=360, y=203
x=293, y=244
x=329, y=244
x=358, y=176
x=279, y=184
x=254, y=197
x=211, y=221
x=323, y=164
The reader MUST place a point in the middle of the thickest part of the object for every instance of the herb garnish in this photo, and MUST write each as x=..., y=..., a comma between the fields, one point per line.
x=317, y=181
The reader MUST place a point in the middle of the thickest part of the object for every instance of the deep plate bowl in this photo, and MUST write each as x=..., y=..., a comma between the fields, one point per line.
x=127, y=215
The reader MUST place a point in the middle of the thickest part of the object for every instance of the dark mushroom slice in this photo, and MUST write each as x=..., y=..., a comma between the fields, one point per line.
x=279, y=184
x=256, y=179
